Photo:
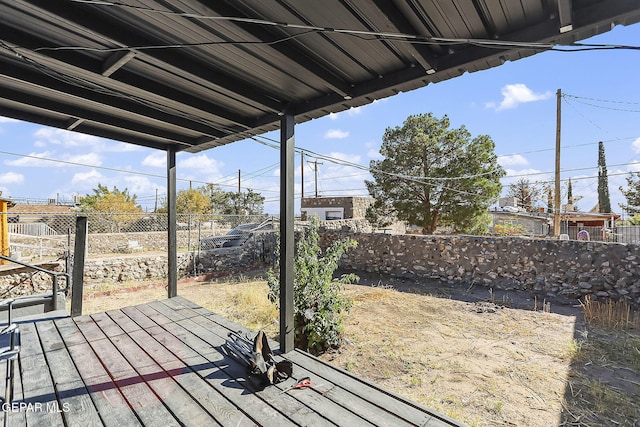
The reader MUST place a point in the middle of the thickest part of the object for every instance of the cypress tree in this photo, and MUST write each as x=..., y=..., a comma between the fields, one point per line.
x=604, y=201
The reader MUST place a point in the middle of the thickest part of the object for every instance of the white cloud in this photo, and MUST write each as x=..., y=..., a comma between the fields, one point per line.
x=8, y=120
x=353, y=111
x=141, y=185
x=69, y=139
x=121, y=147
x=336, y=134
x=65, y=138
x=38, y=160
x=155, y=160
x=535, y=172
x=516, y=94
x=353, y=158
x=11, y=178
x=200, y=162
x=88, y=179
x=635, y=145
x=89, y=159
x=374, y=153
x=32, y=161
x=634, y=167
x=512, y=160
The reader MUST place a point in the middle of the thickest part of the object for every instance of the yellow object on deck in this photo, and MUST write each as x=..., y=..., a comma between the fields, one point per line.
x=4, y=229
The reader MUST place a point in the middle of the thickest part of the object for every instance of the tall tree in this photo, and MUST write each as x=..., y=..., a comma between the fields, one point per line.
x=117, y=208
x=604, y=201
x=549, y=192
x=569, y=193
x=105, y=200
x=632, y=194
x=249, y=203
x=526, y=192
x=233, y=203
x=191, y=201
x=432, y=175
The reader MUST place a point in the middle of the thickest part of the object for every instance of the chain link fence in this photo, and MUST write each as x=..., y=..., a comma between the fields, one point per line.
x=44, y=236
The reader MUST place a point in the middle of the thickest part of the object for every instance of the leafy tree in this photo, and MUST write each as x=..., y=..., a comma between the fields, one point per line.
x=118, y=208
x=526, y=192
x=191, y=202
x=432, y=175
x=604, y=201
x=318, y=305
x=632, y=194
x=569, y=193
x=249, y=203
x=211, y=199
x=232, y=203
x=632, y=220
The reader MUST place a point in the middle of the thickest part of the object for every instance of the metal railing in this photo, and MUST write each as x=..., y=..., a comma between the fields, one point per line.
x=55, y=275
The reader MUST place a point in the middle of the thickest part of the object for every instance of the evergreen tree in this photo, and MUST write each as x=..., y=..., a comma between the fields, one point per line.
x=632, y=194
x=569, y=193
x=604, y=201
x=433, y=175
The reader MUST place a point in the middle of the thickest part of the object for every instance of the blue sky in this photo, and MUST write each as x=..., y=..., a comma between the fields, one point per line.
x=514, y=104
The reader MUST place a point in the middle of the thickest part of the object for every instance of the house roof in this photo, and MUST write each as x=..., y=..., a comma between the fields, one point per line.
x=40, y=209
x=199, y=74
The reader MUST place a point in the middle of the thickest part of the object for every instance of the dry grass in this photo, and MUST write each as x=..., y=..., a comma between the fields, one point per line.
x=610, y=314
x=508, y=367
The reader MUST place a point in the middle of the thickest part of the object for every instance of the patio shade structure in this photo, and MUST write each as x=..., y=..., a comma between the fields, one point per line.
x=180, y=75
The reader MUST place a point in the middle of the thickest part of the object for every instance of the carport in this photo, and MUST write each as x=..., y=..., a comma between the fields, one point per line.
x=179, y=75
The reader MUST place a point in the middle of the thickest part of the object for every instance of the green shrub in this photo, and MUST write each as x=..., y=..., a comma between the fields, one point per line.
x=318, y=305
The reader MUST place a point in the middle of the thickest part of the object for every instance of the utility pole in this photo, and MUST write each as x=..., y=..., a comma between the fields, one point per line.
x=238, y=202
x=302, y=174
x=556, y=211
x=156, y=208
x=316, y=175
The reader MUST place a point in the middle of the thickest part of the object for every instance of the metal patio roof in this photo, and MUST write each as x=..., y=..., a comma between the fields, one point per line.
x=192, y=75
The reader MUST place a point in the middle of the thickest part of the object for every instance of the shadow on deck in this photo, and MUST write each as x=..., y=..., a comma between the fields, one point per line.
x=163, y=363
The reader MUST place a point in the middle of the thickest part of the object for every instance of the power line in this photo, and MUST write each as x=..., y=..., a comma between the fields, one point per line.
x=66, y=162
x=373, y=35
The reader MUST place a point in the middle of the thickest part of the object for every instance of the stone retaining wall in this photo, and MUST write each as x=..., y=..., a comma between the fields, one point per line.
x=548, y=267
x=128, y=269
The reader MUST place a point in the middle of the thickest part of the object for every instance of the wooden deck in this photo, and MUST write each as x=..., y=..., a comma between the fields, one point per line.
x=163, y=364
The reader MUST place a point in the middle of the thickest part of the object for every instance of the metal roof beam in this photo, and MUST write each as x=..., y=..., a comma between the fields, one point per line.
x=19, y=73
x=87, y=129
x=421, y=53
x=103, y=27
x=564, y=14
x=113, y=62
x=116, y=61
x=64, y=108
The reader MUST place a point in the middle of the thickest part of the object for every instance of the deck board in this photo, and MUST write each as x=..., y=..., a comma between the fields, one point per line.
x=164, y=363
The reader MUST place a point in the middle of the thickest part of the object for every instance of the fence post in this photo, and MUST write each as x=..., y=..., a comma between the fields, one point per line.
x=78, y=266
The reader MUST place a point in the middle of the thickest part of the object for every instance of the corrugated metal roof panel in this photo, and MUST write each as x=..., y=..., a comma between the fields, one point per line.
x=199, y=74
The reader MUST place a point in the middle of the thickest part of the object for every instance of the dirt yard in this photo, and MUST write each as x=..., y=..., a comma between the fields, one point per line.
x=483, y=358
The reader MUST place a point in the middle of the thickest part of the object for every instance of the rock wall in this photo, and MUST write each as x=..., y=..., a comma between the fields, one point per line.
x=21, y=281
x=549, y=267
